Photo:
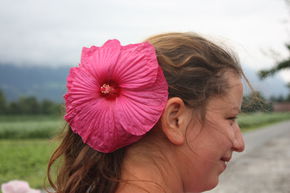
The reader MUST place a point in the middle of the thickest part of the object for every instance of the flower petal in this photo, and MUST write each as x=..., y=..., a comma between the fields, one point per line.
x=95, y=125
x=82, y=87
x=100, y=61
x=137, y=66
x=139, y=110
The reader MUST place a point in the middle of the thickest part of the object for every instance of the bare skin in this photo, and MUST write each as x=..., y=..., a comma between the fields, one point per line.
x=182, y=155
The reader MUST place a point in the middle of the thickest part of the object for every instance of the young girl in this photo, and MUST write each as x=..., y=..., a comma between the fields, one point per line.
x=157, y=116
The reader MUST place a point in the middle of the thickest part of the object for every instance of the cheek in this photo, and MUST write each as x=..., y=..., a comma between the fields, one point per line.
x=213, y=141
x=205, y=153
x=203, y=171
x=207, y=149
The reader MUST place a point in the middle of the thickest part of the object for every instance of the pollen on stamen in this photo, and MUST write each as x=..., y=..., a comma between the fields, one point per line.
x=109, y=90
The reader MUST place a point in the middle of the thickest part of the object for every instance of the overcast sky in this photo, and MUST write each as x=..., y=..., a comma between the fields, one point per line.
x=52, y=32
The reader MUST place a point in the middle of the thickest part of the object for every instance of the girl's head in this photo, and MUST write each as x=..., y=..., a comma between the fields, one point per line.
x=193, y=124
x=201, y=141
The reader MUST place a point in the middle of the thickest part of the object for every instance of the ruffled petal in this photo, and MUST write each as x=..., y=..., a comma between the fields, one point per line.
x=137, y=66
x=96, y=125
x=81, y=89
x=139, y=110
x=101, y=61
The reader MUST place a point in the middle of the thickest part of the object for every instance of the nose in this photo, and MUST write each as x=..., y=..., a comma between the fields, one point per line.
x=238, y=143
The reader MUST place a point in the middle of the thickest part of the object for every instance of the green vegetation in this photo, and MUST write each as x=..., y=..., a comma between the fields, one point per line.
x=28, y=105
x=29, y=127
x=26, y=147
x=255, y=120
x=255, y=102
x=25, y=160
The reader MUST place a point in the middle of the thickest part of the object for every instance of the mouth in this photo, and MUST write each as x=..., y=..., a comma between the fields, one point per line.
x=226, y=160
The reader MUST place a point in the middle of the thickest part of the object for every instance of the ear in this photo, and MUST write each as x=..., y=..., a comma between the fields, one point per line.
x=175, y=119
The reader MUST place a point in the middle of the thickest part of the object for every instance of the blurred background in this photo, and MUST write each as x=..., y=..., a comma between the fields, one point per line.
x=40, y=40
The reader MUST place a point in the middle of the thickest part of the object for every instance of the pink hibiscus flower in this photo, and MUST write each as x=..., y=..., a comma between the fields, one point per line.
x=17, y=186
x=116, y=95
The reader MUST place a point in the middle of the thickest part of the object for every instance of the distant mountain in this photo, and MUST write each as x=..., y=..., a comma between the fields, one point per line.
x=41, y=82
x=271, y=86
x=49, y=83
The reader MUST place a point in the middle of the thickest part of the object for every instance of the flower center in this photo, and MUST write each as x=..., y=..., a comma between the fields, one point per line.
x=110, y=90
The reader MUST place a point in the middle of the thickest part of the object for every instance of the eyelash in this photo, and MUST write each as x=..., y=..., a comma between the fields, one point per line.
x=233, y=118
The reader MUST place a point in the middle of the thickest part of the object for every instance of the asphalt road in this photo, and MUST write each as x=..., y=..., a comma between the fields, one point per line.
x=264, y=167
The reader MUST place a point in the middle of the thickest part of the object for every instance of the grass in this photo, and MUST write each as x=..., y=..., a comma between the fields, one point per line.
x=25, y=160
x=29, y=127
x=25, y=146
x=256, y=120
x=27, y=118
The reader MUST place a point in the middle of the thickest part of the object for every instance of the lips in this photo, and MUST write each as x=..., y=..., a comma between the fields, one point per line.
x=226, y=159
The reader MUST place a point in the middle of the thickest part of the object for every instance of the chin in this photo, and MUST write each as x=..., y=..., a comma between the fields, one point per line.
x=207, y=185
x=211, y=184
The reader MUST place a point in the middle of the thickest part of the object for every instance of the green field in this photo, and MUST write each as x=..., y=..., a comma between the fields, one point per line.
x=26, y=145
x=256, y=120
x=30, y=127
x=25, y=160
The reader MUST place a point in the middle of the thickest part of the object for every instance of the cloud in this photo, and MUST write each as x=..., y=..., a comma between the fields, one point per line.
x=52, y=32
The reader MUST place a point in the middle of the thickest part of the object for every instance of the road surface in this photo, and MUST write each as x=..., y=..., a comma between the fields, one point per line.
x=264, y=167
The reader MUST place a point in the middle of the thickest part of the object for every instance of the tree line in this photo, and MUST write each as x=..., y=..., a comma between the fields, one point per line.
x=256, y=102
x=28, y=105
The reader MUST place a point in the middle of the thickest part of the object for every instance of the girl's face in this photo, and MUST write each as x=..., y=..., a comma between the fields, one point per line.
x=210, y=146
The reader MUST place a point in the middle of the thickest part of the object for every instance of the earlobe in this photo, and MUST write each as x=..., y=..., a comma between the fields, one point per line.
x=174, y=120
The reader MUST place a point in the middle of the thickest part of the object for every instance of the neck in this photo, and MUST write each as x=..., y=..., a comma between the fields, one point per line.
x=146, y=168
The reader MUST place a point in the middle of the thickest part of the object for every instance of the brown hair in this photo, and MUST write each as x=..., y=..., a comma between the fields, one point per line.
x=194, y=69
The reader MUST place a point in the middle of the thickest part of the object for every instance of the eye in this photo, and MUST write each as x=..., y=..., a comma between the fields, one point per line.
x=233, y=118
